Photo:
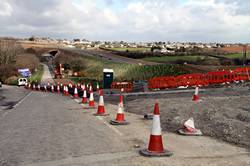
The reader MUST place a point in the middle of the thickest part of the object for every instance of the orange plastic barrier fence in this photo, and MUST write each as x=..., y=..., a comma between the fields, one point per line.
x=127, y=86
x=195, y=79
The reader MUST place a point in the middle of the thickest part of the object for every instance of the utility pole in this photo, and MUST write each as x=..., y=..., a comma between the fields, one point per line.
x=244, y=55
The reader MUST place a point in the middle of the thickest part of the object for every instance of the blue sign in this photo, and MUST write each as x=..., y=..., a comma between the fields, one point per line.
x=24, y=72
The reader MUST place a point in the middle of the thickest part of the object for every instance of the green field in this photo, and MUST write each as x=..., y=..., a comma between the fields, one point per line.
x=174, y=58
x=143, y=49
x=238, y=55
x=37, y=76
x=126, y=72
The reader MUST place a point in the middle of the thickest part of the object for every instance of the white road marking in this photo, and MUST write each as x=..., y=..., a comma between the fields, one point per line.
x=6, y=113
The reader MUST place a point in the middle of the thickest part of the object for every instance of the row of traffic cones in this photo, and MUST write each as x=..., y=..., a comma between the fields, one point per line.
x=155, y=146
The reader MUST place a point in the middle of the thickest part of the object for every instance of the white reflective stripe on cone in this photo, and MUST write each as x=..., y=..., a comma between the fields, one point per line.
x=91, y=98
x=189, y=123
x=84, y=93
x=156, y=127
x=101, y=101
x=120, y=110
x=196, y=90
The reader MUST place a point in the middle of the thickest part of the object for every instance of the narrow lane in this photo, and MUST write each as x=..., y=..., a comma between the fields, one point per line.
x=47, y=77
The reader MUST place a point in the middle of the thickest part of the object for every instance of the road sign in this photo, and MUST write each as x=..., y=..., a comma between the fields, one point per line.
x=24, y=72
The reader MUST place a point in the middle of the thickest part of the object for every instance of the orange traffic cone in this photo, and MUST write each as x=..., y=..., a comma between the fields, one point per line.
x=196, y=94
x=91, y=100
x=29, y=86
x=52, y=88
x=189, y=128
x=58, y=88
x=38, y=87
x=75, y=93
x=45, y=88
x=101, y=108
x=120, y=118
x=90, y=88
x=66, y=91
x=155, y=147
x=98, y=88
x=34, y=87
x=84, y=97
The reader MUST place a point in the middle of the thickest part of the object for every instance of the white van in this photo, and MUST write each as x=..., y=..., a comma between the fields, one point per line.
x=22, y=81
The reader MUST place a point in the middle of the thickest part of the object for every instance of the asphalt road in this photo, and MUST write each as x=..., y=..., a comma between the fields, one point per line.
x=47, y=77
x=46, y=127
x=109, y=56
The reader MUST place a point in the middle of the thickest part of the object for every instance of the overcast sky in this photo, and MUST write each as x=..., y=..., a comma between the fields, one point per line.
x=128, y=20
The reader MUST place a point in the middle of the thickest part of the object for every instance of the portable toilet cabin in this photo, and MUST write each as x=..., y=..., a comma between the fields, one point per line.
x=107, y=78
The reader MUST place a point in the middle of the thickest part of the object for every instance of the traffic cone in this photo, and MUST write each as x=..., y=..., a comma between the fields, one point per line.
x=155, y=147
x=34, y=87
x=97, y=88
x=75, y=93
x=38, y=87
x=101, y=108
x=52, y=88
x=58, y=88
x=82, y=87
x=66, y=91
x=91, y=100
x=189, y=128
x=90, y=88
x=196, y=94
x=29, y=86
x=84, y=97
x=26, y=85
x=120, y=119
x=48, y=85
x=45, y=88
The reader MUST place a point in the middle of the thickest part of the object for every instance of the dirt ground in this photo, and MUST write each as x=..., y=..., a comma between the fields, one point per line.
x=225, y=117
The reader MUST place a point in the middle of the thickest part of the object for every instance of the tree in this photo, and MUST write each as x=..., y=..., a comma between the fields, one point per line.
x=9, y=49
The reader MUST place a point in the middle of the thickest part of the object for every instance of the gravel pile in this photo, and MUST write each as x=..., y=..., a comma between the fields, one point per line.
x=224, y=118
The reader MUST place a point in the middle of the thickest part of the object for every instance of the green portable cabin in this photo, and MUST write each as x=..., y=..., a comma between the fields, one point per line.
x=108, y=75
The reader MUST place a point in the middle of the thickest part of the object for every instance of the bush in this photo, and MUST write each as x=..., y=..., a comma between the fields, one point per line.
x=11, y=80
x=27, y=61
x=7, y=71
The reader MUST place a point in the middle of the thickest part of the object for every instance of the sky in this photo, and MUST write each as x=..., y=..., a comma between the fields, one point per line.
x=128, y=20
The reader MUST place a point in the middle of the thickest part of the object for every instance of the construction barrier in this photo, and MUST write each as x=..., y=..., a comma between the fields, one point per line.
x=126, y=86
x=199, y=79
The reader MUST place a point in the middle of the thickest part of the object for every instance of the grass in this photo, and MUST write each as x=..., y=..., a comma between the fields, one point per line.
x=37, y=76
x=125, y=72
x=142, y=49
x=237, y=55
x=190, y=58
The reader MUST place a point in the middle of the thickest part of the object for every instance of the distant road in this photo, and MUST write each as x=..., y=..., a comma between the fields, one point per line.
x=47, y=77
x=109, y=56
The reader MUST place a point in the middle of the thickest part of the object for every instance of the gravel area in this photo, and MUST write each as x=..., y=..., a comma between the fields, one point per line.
x=225, y=118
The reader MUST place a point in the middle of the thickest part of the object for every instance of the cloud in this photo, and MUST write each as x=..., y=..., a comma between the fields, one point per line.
x=5, y=8
x=133, y=20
